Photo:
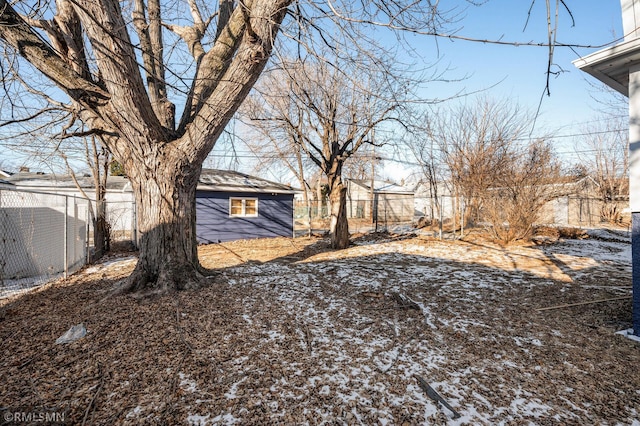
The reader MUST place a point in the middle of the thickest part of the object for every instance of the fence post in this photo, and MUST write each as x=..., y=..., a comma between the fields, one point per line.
x=87, y=257
x=134, y=223
x=309, y=215
x=462, y=218
x=441, y=200
x=74, y=237
x=374, y=211
x=65, y=257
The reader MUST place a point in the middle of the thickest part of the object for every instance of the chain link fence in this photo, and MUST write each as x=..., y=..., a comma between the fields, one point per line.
x=388, y=212
x=574, y=211
x=442, y=216
x=42, y=236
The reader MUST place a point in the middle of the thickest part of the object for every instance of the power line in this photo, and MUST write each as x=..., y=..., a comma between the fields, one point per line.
x=252, y=154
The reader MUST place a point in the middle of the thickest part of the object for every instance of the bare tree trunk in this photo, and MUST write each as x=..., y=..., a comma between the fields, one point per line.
x=100, y=239
x=166, y=220
x=100, y=170
x=339, y=225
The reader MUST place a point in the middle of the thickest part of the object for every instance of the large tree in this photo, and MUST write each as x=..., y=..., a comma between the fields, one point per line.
x=120, y=91
x=110, y=60
x=125, y=66
x=328, y=110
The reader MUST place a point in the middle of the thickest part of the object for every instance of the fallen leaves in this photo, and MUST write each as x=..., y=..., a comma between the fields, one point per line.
x=291, y=332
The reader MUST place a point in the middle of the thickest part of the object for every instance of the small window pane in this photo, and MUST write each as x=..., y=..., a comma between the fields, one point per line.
x=236, y=207
x=251, y=207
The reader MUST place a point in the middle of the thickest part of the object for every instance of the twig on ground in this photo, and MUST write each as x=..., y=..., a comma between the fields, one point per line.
x=233, y=253
x=431, y=393
x=173, y=389
x=95, y=395
x=405, y=302
x=34, y=357
x=36, y=392
x=402, y=347
x=309, y=339
x=569, y=305
x=183, y=339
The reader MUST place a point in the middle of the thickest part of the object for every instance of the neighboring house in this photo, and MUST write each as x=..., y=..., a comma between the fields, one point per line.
x=233, y=206
x=572, y=202
x=119, y=197
x=430, y=207
x=229, y=205
x=391, y=202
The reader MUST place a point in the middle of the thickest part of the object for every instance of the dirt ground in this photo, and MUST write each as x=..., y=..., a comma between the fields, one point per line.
x=291, y=332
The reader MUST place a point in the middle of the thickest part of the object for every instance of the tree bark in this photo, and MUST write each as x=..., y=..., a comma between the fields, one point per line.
x=163, y=164
x=166, y=220
x=101, y=239
x=339, y=225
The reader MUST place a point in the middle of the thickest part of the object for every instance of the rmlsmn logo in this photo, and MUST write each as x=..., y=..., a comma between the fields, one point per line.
x=29, y=416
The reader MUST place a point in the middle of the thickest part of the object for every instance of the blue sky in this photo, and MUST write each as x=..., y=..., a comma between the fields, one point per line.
x=523, y=68
x=519, y=72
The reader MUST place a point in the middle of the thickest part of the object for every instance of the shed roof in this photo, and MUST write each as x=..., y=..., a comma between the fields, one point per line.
x=43, y=181
x=381, y=187
x=210, y=180
x=231, y=181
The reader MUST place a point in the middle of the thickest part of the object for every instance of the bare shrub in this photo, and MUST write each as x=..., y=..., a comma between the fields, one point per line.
x=572, y=233
x=546, y=231
x=512, y=208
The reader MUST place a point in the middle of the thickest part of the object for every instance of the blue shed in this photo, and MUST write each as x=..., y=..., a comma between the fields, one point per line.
x=233, y=206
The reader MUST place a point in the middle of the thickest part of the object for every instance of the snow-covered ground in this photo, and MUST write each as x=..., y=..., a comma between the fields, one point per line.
x=344, y=350
x=290, y=332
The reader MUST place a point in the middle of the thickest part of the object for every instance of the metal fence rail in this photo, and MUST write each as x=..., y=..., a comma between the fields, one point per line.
x=42, y=236
x=388, y=212
x=580, y=211
x=444, y=213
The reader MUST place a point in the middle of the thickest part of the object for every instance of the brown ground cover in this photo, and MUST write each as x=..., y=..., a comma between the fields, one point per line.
x=290, y=332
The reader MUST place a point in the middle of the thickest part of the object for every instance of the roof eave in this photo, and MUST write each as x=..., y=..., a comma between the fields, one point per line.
x=611, y=65
x=244, y=189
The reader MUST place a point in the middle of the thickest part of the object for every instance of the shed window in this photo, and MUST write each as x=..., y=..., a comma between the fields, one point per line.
x=243, y=207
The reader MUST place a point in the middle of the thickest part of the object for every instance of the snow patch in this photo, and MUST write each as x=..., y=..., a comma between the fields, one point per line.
x=628, y=333
x=196, y=420
x=187, y=384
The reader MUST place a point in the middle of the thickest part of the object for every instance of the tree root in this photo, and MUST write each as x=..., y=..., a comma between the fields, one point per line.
x=170, y=278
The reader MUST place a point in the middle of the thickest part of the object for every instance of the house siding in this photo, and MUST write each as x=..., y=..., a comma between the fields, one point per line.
x=213, y=223
x=389, y=206
x=358, y=202
x=395, y=207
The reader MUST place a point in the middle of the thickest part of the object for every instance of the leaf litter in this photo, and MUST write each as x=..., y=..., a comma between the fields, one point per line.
x=290, y=332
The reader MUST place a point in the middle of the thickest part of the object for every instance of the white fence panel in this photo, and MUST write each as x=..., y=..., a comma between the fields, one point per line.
x=41, y=236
